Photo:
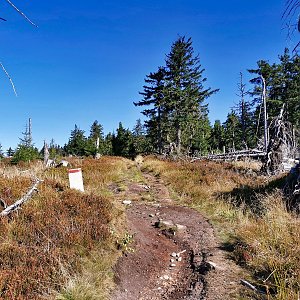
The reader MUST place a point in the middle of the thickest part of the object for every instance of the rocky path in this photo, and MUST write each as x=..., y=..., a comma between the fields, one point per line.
x=176, y=254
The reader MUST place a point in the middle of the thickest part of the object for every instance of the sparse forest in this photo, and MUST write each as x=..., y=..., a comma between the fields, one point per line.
x=159, y=216
x=175, y=102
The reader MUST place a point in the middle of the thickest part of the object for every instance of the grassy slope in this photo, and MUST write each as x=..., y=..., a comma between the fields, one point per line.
x=62, y=240
x=250, y=216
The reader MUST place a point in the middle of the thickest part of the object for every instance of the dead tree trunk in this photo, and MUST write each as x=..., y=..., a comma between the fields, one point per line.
x=281, y=145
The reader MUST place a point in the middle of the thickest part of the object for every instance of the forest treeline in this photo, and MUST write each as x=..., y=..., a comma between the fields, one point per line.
x=174, y=101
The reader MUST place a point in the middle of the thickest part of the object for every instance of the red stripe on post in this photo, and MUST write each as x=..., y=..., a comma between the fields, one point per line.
x=74, y=170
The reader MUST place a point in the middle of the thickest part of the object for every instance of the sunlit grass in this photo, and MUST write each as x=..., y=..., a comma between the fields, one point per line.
x=248, y=212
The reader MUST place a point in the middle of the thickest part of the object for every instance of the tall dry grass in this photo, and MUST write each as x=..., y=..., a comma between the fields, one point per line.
x=62, y=243
x=250, y=215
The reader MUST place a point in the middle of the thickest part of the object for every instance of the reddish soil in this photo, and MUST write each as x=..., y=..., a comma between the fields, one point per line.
x=201, y=272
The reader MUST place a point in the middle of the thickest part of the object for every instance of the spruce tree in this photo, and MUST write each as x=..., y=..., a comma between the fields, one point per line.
x=155, y=101
x=174, y=97
x=232, y=132
x=140, y=141
x=200, y=142
x=26, y=151
x=107, y=145
x=122, y=142
x=96, y=137
x=185, y=91
x=217, y=137
x=77, y=143
x=55, y=150
x=10, y=152
x=244, y=112
x=282, y=89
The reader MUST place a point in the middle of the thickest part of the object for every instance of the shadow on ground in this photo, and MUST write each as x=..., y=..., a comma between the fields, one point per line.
x=252, y=198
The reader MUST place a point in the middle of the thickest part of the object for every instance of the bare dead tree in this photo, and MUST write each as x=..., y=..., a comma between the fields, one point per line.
x=46, y=153
x=264, y=101
x=281, y=145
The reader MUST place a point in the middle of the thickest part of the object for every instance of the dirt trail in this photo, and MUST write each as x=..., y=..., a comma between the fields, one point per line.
x=198, y=271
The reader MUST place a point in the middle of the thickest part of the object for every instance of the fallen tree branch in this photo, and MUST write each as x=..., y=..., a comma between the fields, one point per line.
x=254, y=153
x=21, y=201
x=248, y=285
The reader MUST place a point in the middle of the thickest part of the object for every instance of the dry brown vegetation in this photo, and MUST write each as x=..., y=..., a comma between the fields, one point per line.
x=250, y=214
x=62, y=244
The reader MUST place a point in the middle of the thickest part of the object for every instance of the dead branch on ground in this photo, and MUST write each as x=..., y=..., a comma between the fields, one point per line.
x=21, y=201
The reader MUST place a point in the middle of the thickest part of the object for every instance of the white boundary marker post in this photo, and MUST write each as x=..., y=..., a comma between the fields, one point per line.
x=75, y=179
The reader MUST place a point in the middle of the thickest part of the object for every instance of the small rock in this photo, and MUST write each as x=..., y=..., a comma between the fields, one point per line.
x=180, y=227
x=127, y=202
x=64, y=163
x=164, y=224
x=172, y=265
x=179, y=259
x=166, y=277
x=97, y=156
x=151, y=215
x=174, y=254
x=172, y=260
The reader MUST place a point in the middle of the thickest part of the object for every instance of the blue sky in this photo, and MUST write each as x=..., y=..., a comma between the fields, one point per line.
x=87, y=60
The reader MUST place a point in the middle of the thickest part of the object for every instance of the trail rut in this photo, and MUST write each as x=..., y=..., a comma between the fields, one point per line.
x=199, y=271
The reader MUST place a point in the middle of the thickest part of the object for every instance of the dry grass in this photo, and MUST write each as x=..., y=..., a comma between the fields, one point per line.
x=250, y=215
x=63, y=243
x=273, y=249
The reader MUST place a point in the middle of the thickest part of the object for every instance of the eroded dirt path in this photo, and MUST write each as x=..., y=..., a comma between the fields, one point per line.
x=179, y=260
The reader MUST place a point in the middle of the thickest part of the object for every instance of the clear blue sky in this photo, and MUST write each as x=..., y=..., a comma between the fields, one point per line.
x=88, y=59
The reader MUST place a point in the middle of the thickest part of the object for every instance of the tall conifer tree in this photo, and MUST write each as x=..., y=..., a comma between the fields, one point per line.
x=185, y=91
x=154, y=96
